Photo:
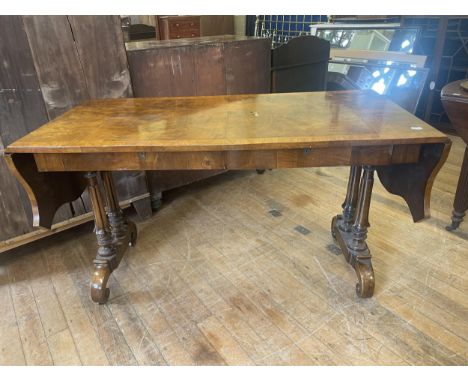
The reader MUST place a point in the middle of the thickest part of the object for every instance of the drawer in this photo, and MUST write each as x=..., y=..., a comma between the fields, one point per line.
x=184, y=29
x=184, y=34
x=174, y=27
x=184, y=24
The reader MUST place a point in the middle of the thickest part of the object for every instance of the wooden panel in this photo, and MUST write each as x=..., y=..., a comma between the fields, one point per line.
x=130, y=161
x=252, y=159
x=22, y=110
x=57, y=63
x=406, y=154
x=46, y=191
x=300, y=65
x=214, y=25
x=166, y=72
x=182, y=68
x=21, y=104
x=413, y=181
x=13, y=216
x=181, y=71
x=100, y=45
x=60, y=73
x=247, y=67
x=151, y=76
x=225, y=160
x=209, y=70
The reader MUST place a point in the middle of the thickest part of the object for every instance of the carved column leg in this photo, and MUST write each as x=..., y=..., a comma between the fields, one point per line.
x=360, y=254
x=345, y=221
x=460, y=204
x=350, y=229
x=123, y=231
x=105, y=260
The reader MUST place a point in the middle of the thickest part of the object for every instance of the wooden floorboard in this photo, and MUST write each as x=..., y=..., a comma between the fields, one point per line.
x=241, y=269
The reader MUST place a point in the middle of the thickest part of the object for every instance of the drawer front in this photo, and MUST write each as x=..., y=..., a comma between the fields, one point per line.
x=184, y=28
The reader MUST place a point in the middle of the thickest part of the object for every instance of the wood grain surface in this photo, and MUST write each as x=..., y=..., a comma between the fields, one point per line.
x=264, y=121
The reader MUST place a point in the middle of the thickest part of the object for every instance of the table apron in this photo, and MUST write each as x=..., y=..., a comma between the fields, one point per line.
x=231, y=160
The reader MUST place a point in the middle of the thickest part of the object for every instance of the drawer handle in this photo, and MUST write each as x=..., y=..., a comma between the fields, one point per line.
x=177, y=36
x=193, y=34
x=191, y=24
x=177, y=24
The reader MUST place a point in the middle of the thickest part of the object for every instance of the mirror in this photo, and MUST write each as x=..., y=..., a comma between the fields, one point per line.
x=383, y=39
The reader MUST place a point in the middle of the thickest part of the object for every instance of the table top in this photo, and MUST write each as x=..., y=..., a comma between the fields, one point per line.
x=222, y=123
x=454, y=92
x=191, y=41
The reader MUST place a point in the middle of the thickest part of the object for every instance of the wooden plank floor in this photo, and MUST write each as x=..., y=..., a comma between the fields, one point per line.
x=217, y=279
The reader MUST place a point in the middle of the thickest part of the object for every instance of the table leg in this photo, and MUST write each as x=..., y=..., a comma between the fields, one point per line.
x=350, y=228
x=460, y=204
x=123, y=231
x=114, y=233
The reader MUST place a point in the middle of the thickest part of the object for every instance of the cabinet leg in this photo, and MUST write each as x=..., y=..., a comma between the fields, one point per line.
x=350, y=229
x=460, y=204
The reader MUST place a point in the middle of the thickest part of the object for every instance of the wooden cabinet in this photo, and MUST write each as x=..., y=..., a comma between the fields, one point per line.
x=174, y=27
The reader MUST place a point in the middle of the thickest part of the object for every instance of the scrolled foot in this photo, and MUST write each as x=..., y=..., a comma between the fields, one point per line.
x=366, y=281
x=100, y=277
x=457, y=218
x=334, y=225
x=259, y=171
x=453, y=226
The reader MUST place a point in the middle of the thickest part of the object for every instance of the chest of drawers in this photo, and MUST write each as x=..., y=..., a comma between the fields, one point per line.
x=174, y=27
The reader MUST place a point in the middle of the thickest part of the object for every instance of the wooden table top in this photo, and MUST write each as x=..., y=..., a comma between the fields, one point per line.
x=221, y=123
x=181, y=42
x=454, y=92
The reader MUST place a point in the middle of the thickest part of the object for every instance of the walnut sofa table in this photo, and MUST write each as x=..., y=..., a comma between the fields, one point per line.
x=359, y=129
